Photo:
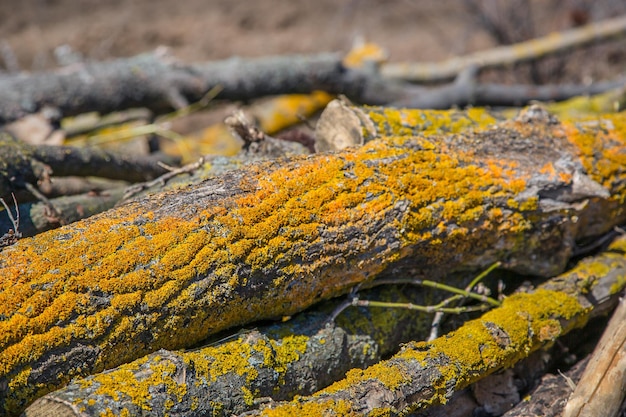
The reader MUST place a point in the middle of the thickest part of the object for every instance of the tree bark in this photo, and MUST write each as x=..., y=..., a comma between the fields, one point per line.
x=276, y=362
x=275, y=238
x=293, y=358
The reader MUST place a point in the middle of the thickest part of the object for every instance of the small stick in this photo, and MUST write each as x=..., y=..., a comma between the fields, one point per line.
x=12, y=235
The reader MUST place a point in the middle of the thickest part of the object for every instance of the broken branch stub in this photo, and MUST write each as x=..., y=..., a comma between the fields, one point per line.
x=274, y=238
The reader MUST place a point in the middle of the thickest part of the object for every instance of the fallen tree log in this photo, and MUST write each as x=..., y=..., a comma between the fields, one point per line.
x=429, y=373
x=274, y=238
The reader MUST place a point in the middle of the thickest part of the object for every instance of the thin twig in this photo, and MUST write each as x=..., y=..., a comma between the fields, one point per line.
x=162, y=180
x=12, y=235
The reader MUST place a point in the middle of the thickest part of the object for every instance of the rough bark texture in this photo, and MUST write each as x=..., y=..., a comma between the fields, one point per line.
x=277, y=237
x=298, y=357
x=549, y=398
x=428, y=373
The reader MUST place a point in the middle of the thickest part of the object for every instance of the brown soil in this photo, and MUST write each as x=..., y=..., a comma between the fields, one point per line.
x=196, y=30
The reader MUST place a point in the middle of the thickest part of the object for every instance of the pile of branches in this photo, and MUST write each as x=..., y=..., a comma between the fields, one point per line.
x=161, y=304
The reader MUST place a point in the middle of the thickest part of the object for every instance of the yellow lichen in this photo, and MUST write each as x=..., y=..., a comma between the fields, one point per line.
x=501, y=337
x=248, y=397
x=328, y=408
x=137, y=270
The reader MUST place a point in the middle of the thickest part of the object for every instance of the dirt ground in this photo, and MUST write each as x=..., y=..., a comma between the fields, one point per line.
x=196, y=30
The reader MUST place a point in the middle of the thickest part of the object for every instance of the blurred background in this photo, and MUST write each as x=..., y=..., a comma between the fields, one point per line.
x=39, y=34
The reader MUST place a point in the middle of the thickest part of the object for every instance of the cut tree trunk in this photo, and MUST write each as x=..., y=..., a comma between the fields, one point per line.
x=274, y=238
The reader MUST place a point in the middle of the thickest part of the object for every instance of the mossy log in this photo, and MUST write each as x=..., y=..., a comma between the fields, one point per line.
x=423, y=374
x=276, y=362
x=276, y=237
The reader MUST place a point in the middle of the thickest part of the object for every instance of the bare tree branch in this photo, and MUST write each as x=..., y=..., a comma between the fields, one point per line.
x=21, y=163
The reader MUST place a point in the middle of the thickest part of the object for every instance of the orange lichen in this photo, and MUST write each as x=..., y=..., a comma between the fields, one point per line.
x=176, y=275
x=601, y=140
x=328, y=408
x=402, y=122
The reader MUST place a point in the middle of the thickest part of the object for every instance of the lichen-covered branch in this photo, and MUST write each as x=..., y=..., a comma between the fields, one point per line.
x=428, y=373
x=297, y=357
x=285, y=359
x=274, y=238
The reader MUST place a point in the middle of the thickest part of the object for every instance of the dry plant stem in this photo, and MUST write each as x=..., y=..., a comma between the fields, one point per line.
x=508, y=55
x=13, y=232
x=162, y=180
x=275, y=238
x=602, y=388
x=428, y=373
